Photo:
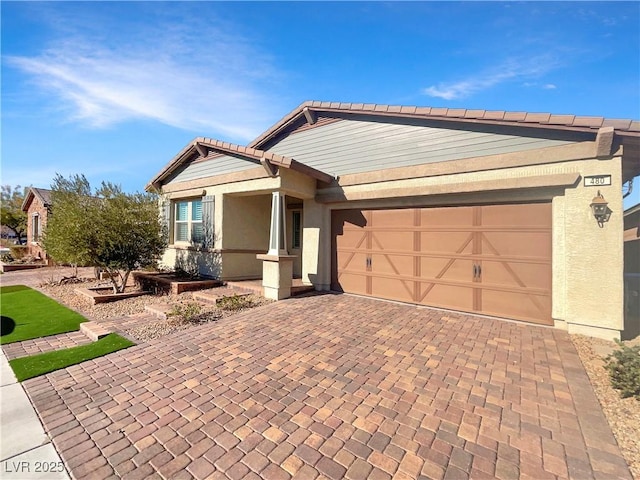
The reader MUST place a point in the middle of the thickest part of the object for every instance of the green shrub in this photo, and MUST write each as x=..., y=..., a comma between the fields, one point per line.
x=624, y=370
x=234, y=302
x=185, y=313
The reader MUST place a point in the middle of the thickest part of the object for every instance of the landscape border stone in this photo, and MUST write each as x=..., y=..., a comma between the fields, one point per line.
x=169, y=283
x=9, y=267
x=96, y=298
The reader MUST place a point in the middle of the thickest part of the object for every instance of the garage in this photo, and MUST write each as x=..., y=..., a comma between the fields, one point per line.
x=488, y=259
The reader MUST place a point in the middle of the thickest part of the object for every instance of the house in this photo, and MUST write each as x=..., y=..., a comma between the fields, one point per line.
x=632, y=233
x=487, y=212
x=6, y=232
x=37, y=205
x=632, y=272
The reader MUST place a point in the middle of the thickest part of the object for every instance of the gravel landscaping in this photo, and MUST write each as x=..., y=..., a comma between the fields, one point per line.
x=623, y=415
x=145, y=329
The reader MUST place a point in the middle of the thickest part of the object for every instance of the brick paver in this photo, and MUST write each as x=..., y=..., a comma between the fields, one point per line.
x=334, y=386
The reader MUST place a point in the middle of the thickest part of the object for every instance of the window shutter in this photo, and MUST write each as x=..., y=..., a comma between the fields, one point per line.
x=208, y=221
x=166, y=217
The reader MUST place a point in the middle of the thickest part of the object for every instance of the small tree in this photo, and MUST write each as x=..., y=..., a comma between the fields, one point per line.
x=11, y=214
x=113, y=230
x=66, y=237
x=128, y=234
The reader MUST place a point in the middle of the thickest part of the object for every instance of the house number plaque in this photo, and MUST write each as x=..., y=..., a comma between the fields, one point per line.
x=597, y=180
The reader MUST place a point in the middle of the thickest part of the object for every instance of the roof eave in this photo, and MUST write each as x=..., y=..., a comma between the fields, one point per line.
x=282, y=125
x=27, y=200
x=546, y=121
x=175, y=162
x=202, y=145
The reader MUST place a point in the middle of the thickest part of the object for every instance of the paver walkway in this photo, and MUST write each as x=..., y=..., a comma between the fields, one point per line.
x=337, y=387
x=45, y=344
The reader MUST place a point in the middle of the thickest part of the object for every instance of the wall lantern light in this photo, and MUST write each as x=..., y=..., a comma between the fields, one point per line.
x=600, y=209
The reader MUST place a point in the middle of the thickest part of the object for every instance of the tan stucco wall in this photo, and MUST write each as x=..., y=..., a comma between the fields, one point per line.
x=168, y=259
x=587, y=260
x=206, y=263
x=216, y=264
x=316, y=248
x=245, y=225
x=240, y=266
x=245, y=222
x=296, y=184
x=242, y=217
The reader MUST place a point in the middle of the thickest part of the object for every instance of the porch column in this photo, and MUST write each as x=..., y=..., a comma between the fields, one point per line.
x=277, y=236
x=277, y=264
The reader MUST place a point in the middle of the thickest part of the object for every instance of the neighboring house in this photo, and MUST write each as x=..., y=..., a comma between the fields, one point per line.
x=632, y=233
x=478, y=211
x=632, y=272
x=6, y=232
x=37, y=205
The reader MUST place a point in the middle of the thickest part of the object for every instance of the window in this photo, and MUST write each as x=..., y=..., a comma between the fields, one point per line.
x=35, y=228
x=296, y=228
x=188, y=221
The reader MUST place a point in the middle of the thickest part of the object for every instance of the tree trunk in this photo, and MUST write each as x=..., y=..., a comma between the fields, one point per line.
x=125, y=278
x=118, y=279
x=113, y=276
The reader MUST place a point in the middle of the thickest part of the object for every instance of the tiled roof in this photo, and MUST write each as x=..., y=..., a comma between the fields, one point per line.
x=546, y=120
x=232, y=148
x=255, y=149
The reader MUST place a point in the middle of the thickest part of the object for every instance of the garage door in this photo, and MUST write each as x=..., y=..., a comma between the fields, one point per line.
x=493, y=259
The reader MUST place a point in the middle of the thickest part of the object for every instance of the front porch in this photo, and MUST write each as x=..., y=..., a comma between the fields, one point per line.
x=262, y=243
x=248, y=227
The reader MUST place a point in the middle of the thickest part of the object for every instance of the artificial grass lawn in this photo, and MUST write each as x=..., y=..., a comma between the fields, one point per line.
x=35, y=365
x=27, y=313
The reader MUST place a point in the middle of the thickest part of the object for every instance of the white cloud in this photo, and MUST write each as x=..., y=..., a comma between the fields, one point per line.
x=510, y=70
x=212, y=86
x=545, y=86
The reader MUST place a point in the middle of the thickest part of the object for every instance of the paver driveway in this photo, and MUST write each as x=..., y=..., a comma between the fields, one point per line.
x=334, y=386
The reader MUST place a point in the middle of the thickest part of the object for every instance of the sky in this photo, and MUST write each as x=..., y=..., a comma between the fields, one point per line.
x=114, y=90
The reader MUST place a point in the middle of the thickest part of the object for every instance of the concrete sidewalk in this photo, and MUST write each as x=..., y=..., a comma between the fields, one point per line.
x=26, y=451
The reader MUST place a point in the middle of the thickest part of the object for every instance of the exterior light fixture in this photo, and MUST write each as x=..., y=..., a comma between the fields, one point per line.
x=600, y=209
